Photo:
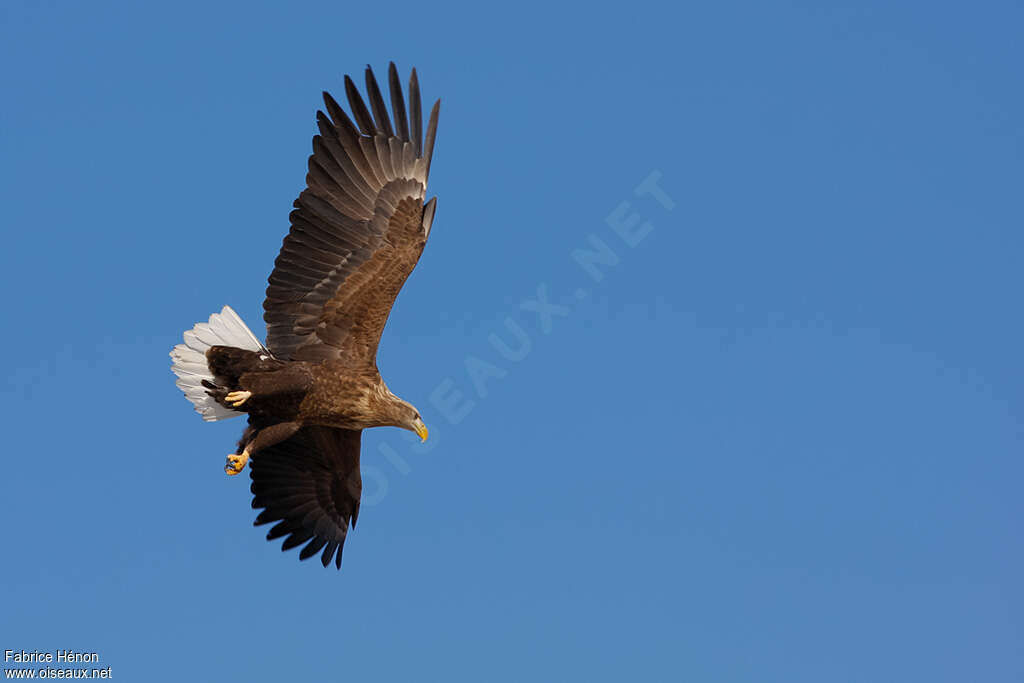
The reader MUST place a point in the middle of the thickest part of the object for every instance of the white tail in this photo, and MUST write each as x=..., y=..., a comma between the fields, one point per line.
x=189, y=359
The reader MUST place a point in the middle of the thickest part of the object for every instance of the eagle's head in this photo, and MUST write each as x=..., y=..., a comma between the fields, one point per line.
x=403, y=414
x=412, y=421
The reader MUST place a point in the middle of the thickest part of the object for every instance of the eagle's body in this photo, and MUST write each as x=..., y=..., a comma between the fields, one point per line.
x=357, y=231
x=326, y=394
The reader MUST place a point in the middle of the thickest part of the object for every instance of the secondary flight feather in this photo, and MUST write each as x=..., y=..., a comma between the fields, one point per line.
x=357, y=231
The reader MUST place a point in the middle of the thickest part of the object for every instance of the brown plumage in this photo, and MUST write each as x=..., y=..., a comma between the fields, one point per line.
x=357, y=231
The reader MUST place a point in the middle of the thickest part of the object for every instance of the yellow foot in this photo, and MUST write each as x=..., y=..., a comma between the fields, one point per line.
x=236, y=462
x=237, y=398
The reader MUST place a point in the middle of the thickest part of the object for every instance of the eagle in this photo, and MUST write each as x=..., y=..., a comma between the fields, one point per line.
x=357, y=231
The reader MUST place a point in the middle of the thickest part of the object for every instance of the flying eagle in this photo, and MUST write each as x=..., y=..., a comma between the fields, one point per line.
x=357, y=231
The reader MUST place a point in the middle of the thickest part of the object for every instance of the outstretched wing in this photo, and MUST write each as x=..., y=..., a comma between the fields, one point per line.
x=357, y=230
x=310, y=485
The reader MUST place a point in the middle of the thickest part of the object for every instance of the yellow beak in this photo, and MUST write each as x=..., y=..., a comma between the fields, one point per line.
x=421, y=430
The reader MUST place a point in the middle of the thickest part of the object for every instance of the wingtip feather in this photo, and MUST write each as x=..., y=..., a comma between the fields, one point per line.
x=428, y=150
x=380, y=112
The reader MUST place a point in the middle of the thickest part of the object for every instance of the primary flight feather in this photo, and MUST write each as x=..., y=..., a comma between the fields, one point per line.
x=357, y=231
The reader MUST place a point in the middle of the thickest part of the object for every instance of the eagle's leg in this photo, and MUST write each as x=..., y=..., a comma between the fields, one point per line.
x=265, y=438
x=237, y=398
x=284, y=386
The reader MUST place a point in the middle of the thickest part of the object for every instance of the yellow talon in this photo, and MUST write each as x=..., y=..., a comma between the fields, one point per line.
x=237, y=398
x=236, y=462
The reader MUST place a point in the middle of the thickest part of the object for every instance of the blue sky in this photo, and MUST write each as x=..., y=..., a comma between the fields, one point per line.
x=778, y=440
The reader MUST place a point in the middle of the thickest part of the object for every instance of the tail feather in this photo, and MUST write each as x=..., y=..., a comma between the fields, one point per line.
x=188, y=360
